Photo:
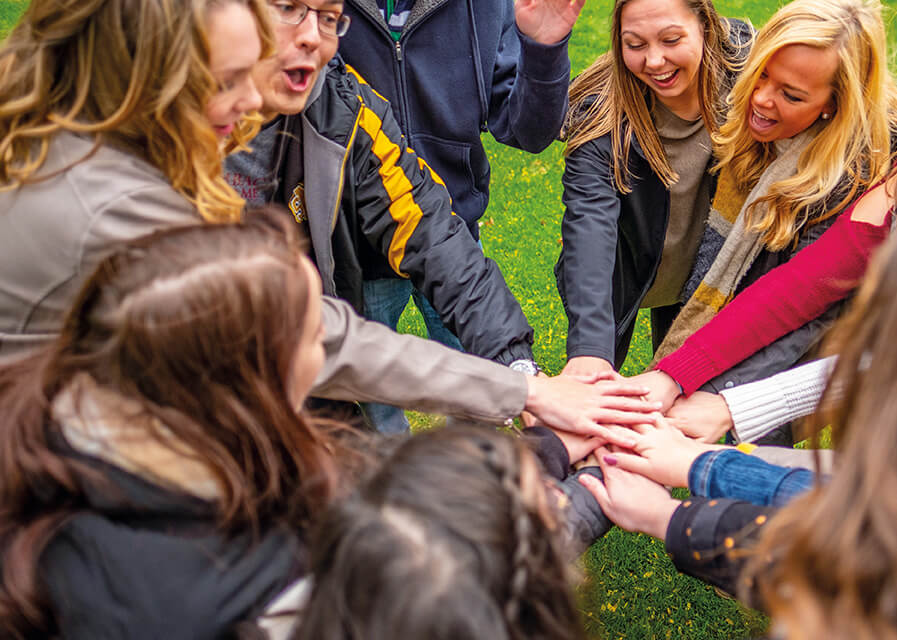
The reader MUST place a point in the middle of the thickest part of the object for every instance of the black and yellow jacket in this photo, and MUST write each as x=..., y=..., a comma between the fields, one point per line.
x=374, y=207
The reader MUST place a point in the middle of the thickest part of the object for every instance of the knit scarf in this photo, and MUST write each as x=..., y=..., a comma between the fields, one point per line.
x=728, y=247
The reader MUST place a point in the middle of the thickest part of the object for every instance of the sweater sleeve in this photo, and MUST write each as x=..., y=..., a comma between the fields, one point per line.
x=758, y=407
x=781, y=301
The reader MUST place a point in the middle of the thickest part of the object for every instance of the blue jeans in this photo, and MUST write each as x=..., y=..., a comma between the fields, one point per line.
x=732, y=474
x=384, y=301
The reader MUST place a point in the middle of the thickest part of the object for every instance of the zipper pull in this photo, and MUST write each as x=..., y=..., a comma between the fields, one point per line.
x=399, y=51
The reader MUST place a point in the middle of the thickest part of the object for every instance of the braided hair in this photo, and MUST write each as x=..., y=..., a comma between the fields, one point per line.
x=451, y=537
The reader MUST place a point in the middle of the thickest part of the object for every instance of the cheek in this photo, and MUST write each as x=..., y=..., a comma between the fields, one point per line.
x=215, y=109
x=632, y=61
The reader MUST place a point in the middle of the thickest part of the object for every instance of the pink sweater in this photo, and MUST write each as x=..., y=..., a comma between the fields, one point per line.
x=784, y=299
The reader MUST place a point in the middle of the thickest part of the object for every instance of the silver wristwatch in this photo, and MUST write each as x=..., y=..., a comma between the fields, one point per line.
x=525, y=365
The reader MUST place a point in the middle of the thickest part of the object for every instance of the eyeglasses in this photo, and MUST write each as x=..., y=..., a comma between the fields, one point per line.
x=330, y=23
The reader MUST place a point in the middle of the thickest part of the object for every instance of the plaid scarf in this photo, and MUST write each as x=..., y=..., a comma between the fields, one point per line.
x=728, y=248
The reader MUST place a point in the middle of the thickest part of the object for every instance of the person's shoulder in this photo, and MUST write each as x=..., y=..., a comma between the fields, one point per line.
x=740, y=37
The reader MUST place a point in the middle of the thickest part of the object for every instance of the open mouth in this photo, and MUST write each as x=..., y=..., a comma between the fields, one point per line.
x=760, y=122
x=223, y=130
x=297, y=79
x=665, y=79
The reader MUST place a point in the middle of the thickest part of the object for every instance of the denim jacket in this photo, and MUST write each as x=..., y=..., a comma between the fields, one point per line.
x=728, y=473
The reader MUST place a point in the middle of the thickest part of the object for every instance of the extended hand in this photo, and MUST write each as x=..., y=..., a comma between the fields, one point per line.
x=569, y=404
x=589, y=368
x=547, y=21
x=663, y=388
x=632, y=501
x=702, y=415
x=662, y=453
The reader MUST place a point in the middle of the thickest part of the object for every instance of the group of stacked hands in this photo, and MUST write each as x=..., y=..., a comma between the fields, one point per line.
x=347, y=146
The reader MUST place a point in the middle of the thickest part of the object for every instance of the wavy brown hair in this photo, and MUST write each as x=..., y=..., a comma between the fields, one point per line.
x=827, y=565
x=131, y=73
x=608, y=98
x=451, y=538
x=197, y=326
x=851, y=151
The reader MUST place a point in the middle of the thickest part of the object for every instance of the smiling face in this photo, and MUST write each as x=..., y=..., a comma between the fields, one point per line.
x=234, y=49
x=287, y=79
x=792, y=92
x=662, y=45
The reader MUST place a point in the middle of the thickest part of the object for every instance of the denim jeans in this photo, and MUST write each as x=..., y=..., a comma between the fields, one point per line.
x=728, y=473
x=384, y=301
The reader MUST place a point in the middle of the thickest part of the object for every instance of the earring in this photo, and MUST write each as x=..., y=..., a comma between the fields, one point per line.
x=826, y=116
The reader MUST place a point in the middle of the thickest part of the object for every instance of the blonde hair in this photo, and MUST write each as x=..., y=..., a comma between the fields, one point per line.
x=132, y=73
x=854, y=144
x=608, y=98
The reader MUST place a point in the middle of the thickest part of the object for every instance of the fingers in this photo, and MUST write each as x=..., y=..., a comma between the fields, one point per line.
x=597, y=489
x=628, y=462
x=615, y=388
x=612, y=416
x=625, y=403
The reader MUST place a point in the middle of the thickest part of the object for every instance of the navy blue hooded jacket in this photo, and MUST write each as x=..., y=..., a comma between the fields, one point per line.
x=461, y=67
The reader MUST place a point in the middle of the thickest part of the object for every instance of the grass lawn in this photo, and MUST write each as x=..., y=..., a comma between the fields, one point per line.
x=630, y=588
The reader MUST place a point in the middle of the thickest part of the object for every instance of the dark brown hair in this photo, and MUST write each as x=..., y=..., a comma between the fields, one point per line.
x=198, y=327
x=827, y=565
x=450, y=539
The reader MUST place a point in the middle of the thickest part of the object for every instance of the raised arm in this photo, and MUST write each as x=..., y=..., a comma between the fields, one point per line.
x=528, y=98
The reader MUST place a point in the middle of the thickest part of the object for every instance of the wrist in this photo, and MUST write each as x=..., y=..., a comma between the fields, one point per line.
x=660, y=519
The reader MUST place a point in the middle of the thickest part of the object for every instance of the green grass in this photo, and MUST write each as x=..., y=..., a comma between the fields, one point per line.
x=630, y=588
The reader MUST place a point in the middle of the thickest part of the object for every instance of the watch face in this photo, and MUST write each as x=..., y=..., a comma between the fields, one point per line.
x=525, y=366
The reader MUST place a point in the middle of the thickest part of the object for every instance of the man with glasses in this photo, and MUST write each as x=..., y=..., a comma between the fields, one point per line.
x=334, y=154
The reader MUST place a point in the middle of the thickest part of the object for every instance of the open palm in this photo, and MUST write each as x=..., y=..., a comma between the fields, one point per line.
x=547, y=21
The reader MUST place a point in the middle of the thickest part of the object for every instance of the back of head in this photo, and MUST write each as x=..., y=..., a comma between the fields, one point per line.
x=834, y=552
x=851, y=147
x=196, y=329
x=134, y=73
x=450, y=538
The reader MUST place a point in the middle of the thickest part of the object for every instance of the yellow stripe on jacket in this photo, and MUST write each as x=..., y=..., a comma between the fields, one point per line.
x=403, y=208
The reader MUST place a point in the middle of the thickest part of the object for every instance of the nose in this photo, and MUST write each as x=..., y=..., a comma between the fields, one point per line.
x=762, y=94
x=307, y=34
x=654, y=58
x=253, y=99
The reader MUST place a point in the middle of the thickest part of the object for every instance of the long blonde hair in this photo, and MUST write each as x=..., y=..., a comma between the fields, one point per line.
x=826, y=566
x=608, y=98
x=854, y=144
x=131, y=73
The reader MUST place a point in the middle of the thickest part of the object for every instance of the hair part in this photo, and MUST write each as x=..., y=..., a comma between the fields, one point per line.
x=450, y=538
x=132, y=73
x=607, y=98
x=851, y=150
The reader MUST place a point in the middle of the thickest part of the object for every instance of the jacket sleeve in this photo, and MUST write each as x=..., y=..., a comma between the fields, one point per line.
x=528, y=97
x=405, y=212
x=585, y=268
x=368, y=362
x=781, y=301
x=790, y=348
x=707, y=538
x=728, y=473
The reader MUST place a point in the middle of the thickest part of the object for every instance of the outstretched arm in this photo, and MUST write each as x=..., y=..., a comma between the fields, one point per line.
x=787, y=297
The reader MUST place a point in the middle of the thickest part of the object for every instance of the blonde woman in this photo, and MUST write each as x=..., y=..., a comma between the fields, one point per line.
x=112, y=123
x=809, y=131
x=637, y=185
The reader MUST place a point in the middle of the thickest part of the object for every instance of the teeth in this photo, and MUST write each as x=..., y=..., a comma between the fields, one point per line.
x=761, y=117
x=665, y=76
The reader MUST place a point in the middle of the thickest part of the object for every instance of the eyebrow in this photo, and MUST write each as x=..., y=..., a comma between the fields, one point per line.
x=794, y=89
x=666, y=28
